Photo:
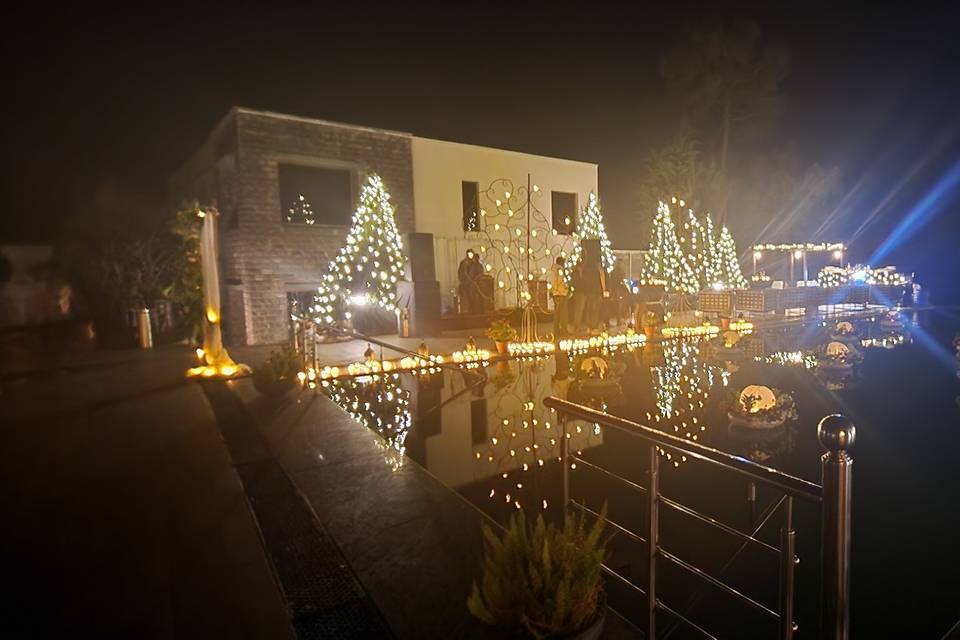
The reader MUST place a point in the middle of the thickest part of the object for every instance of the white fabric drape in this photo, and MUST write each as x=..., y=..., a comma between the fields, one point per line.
x=214, y=353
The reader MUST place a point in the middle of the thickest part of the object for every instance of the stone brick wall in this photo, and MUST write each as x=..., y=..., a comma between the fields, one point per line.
x=262, y=257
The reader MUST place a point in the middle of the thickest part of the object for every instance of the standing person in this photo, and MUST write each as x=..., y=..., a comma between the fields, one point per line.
x=578, y=300
x=559, y=288
x=468, y=275
x=593, y=284
x=619, y=293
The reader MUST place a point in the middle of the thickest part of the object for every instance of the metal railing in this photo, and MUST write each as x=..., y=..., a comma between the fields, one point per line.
x=835, y=433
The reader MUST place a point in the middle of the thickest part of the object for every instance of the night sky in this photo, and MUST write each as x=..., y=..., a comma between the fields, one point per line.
x=105, y=99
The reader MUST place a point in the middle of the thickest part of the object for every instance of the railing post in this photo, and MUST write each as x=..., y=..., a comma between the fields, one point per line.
x=565, y=458
x=653, y=535
x=836, y=434
x=787, y=570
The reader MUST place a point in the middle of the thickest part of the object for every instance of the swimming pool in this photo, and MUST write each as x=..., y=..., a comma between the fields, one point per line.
x=485, y=433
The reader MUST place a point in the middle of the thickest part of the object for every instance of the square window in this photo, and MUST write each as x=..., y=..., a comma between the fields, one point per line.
x=563, y=207
x=315, y=195
x=471, y=206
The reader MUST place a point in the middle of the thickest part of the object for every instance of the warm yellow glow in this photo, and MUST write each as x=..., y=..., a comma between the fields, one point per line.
x=212, y=316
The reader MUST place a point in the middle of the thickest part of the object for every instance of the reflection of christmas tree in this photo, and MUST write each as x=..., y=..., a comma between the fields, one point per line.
x=682, y=387
x=665, y=263
x=590, y=227
x=366, y=270
x=380, y=404
x=300, y=211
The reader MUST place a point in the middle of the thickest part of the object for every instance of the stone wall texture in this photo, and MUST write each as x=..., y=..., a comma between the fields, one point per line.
x=262, y=257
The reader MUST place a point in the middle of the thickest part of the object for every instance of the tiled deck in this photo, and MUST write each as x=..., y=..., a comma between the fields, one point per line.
x=413, y=543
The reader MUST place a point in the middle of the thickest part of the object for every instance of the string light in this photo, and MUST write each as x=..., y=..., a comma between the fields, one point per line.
x=373, y=235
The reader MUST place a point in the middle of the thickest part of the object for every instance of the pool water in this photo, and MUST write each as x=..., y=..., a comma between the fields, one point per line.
x=485, y=433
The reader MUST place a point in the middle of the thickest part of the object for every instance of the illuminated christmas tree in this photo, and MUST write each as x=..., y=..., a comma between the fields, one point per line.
x=691, y=238
x=366, y=271
x=665, y=263
x=300, y=211
x=732, y=277
x=711, y=270
x=590, y=227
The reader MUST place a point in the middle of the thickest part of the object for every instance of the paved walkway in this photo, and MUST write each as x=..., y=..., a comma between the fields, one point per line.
x=122, y=513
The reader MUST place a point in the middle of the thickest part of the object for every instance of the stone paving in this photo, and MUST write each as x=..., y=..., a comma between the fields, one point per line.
x=135, y=505
x=122, y=513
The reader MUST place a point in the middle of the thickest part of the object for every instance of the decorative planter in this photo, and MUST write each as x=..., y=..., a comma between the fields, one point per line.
x=835, y=366
x=724, y=324
x=648, y=331
x=274, y=388
x=502, y=347
x=592, y=632
x=743, y=420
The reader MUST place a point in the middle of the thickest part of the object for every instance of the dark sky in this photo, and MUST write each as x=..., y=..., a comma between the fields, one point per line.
x=101, y=96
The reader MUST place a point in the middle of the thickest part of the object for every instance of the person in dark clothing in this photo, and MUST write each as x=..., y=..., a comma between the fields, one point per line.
x=593, y=285
x=468, y=275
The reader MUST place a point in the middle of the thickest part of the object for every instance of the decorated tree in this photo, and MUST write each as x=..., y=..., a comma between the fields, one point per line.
x=691, y=238
x=300, y=211
x=367, y=269
x=712, y=266
x=590, y=227
x=665, y=263
x=732, y=277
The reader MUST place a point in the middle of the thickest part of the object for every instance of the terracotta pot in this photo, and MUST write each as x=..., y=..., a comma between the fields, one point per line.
x=502, y=347
x=724, y=323
x=648, y=331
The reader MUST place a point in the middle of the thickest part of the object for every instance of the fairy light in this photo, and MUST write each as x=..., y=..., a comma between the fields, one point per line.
x=590, y=227
x=859, y=274
x=366, y=270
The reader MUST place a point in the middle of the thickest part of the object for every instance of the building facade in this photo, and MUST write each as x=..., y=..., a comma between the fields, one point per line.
x=286, y=187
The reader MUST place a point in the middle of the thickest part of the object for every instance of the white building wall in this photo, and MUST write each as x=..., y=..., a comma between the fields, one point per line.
x=440, y=167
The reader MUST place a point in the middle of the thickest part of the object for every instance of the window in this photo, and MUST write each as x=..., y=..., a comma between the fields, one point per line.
x=315, y=195
x=564, y=209
x=471, y=206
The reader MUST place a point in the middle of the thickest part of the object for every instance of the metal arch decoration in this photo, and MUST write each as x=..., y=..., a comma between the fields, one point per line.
x=517, y=243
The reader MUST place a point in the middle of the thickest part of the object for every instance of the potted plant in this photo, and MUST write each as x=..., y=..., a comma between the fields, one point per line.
x=650, y=322
x=278, y=374
x=724, y=321
x=543, y=581
x=502, y=334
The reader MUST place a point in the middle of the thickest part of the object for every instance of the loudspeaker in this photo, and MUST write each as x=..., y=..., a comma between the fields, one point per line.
x=591, y=253
x=485, y=283
x=420, y=267
x=422, y=299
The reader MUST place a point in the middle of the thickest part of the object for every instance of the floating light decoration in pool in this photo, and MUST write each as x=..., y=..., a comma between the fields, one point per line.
x=705, y=329
x=741, y=325
x=530, y=348
x=602, y=340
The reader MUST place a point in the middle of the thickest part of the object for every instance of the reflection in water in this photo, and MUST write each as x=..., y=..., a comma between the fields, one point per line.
x=379, y=403
x=525, y=435
x=681, y=387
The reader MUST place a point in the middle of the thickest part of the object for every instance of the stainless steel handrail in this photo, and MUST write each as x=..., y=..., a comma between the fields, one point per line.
x=767, y=475
x=719, y=525
x=835, y=433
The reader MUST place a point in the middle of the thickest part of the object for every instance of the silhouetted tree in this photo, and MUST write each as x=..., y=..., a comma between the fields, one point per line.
x=727, y=83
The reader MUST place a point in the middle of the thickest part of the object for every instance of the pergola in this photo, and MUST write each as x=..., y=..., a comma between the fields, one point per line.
x=798, y=251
